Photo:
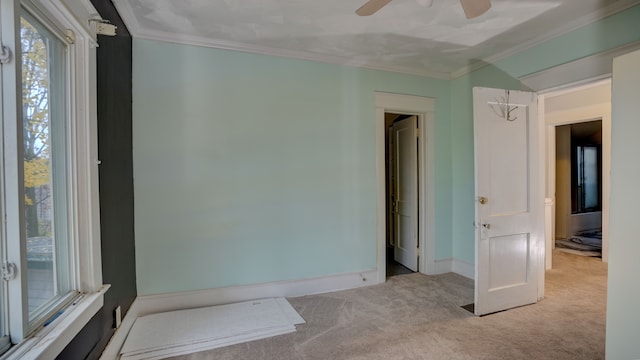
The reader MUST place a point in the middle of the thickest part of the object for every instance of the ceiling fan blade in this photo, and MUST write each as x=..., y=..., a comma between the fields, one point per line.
x=475, y=8
x=371, y=7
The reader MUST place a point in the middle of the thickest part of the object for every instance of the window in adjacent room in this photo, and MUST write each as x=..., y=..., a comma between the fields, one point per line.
x=586, y=168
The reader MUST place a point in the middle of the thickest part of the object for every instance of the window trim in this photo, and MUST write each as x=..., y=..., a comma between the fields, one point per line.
x=84, y=186
x=578, y=193
x=48, y=342
x=38, y=20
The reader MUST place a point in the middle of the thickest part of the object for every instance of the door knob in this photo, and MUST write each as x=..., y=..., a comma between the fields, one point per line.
x=486, y=226
x=483, y=200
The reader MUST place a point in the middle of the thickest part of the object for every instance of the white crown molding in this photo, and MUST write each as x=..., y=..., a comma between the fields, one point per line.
x=573, y=86
x=587, y=69
x=290, y=54
x=125, y=9
x=565, y=29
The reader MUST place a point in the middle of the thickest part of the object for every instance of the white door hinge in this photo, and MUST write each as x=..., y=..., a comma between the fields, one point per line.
x=417, y=132
x=5, y=54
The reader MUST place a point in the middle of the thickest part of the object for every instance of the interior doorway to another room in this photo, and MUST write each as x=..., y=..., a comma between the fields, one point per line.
x=423, y=108
x=578, y=215
x=578, y=122
x=402, y=178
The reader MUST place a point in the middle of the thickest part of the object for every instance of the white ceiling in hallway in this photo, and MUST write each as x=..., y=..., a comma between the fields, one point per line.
x=404, y=36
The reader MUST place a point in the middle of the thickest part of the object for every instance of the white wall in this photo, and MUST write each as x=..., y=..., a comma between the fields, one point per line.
x=623, y=316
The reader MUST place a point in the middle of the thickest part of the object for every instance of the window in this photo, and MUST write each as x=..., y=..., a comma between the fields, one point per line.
x=587, y=192
x=44, y=115
x=50, y=239
x=586, y=167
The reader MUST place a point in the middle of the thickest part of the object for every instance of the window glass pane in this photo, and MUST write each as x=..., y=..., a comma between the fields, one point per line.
x=578, y=192
x=45, y=164
x=590, y=159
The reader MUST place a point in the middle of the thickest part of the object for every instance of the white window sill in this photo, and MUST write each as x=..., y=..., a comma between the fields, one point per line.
x=49, y=341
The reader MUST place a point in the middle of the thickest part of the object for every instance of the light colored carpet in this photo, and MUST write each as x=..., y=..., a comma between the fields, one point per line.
x=419, y=317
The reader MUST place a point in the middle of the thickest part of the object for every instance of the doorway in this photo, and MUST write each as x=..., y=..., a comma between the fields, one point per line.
x=578, y=215
x=402, y=178
x=585, y=112
x=424, y=110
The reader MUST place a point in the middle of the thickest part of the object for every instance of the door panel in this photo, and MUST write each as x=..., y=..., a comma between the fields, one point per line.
x=507, y=170
x=510, y=216
x=508, y=256
x=406, y=192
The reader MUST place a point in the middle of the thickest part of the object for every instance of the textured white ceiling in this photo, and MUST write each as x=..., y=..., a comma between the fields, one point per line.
x=404, y=36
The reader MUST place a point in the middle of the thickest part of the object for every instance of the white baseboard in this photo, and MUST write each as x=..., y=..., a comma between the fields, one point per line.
x=151, y=304
x=444, y=266
x=463, y=268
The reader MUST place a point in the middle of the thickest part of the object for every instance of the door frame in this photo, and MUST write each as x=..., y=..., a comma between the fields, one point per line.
x=560, y=78
x=424, y=108
x=548, y=142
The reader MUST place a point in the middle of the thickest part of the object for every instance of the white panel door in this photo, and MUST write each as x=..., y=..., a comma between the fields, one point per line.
x=405, y=167
x=509, y=199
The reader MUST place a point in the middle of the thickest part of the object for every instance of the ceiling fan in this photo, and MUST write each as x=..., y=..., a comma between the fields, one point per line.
x=472, y=8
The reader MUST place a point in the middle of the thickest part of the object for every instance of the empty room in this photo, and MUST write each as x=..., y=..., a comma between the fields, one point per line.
x=344, y=179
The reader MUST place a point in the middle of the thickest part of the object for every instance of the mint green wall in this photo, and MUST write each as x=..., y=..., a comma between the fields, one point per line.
x=623, y=292
x=252, y=168
x=606, y=34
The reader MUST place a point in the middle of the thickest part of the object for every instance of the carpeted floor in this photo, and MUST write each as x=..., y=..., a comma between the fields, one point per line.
x=419, y=317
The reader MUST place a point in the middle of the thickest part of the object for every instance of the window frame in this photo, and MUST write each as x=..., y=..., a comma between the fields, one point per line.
x=579, y=168
x=62, y=152
x=63, y=16
x=578, y=193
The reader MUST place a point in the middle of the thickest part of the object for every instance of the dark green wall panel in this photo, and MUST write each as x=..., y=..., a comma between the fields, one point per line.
x=116, y=186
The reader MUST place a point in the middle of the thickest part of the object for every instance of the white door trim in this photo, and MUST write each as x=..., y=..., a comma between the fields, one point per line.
x=425, y=109
x=573, y=116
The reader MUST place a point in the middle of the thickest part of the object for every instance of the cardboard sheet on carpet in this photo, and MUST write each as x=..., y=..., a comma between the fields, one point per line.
x=162, y=335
